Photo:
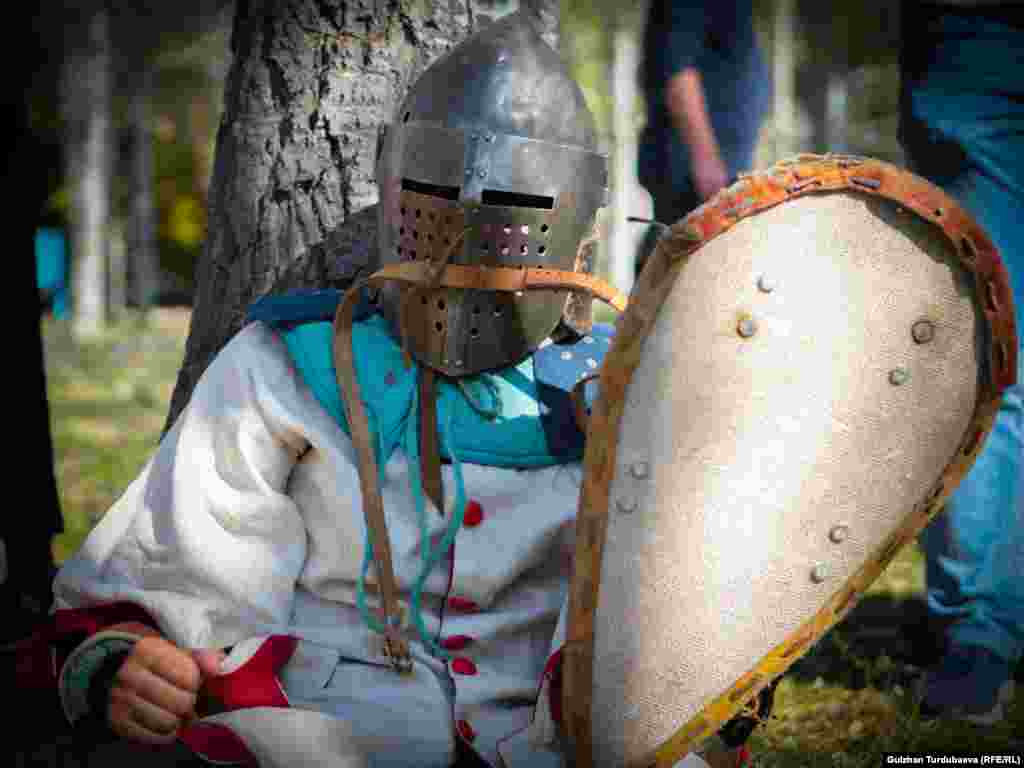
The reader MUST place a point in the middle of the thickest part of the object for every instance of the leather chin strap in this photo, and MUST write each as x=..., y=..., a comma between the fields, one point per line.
x=422, y=276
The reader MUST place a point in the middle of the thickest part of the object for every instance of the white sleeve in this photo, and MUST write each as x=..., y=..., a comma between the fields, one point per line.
x=206, y=539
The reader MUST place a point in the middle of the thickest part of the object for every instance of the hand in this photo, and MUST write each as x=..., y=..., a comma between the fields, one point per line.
x=155, y=690
x=709, y=174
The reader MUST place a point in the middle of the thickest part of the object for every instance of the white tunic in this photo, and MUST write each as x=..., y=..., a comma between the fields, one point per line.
x=248, y=522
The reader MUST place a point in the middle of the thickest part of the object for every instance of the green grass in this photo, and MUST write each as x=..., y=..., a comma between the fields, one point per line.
x=108, y=401
x=843, y=705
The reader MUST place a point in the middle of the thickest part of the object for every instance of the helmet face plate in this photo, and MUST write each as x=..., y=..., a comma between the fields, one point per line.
x=517, y=199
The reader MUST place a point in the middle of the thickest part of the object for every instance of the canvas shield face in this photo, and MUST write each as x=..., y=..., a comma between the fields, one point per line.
x=807, y=367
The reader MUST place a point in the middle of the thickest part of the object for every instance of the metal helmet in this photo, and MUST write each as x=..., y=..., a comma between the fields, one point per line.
x=495, y=145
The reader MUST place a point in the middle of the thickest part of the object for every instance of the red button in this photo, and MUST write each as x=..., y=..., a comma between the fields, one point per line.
x=456, y=642
x=465, y=730
x=461, y=604
x=474, y=514
x=463, y=666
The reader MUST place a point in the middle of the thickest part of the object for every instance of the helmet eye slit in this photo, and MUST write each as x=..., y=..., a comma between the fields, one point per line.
x=516, y=200
x=434, y=190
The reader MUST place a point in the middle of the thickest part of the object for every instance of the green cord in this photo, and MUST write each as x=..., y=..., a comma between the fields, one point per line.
x=430, y=556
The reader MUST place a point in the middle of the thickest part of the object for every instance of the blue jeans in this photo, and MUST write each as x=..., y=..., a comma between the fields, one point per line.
x=962, y=125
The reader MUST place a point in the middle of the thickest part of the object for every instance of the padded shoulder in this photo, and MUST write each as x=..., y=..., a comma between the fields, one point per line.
x=557, y=369
x=562, y=365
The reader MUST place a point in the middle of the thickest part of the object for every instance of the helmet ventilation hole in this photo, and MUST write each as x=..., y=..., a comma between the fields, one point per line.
x=524, y=250
x=542, y=250
x=544, y=229
x=474, y=332
x=438, y=326
x=440, y=304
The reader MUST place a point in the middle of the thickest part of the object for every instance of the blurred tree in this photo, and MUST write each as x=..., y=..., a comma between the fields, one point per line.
x=86, y=109
x=144, y=261
x=293, y=188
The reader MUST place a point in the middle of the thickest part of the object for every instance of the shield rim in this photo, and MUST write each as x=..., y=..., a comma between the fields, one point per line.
x=787, y=180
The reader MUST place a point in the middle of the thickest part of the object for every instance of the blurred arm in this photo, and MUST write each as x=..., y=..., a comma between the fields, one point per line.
x=207, y=540
x=688, y=107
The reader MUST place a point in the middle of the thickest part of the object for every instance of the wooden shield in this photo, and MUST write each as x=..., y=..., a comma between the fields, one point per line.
x=808, y=366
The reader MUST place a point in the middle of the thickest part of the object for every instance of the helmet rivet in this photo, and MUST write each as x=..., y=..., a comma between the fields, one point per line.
x=469, y=172
x=640, y=470
x=765, y=284
x=923, y=331
x=839, y=533
x=819, y=573
x=626, y=506
x=746, y=327
x=482, y=173
x=490, y=137
x=899, y=376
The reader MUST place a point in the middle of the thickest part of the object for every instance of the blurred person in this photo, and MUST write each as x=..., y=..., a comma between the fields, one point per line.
x=708, y=89
x=962, y=126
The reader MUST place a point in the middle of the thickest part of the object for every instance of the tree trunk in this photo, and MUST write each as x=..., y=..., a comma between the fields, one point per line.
x=117, y=269
x=86, y=96
x=293, y=187
x=622, y=243
x=142, y=255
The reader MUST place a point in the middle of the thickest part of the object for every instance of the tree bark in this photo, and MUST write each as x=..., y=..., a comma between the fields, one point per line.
x=87, y=112
x=293, y=187
x=310, y=84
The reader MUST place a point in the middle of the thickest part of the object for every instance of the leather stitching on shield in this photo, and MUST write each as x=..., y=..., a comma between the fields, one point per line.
x=928, y=393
